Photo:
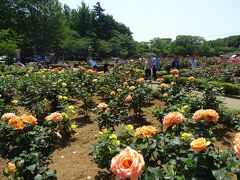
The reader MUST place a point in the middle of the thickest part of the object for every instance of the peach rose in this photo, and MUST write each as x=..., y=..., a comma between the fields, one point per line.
x=146, y=131
x=8, y=116
x=94, y=80
x=172, y=118
x=102, y=106
x=208, y=115
x=100, y=73
x=236, y=138
x=165, y=95
x=112, y=93
x=29, y=119
x=174, y=72
x=236, y=148
x=199, y=144
x=90, y=71
x=163, y=85
x=128, y=98
x=127, y=164
x=198, y=115
x=56, y=117
x=211, y=115
x=132, y=88
x=82, y=68
x=160, y=79
x=140, y=80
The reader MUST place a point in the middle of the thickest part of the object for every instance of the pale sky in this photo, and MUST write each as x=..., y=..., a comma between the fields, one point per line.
x=148, y=19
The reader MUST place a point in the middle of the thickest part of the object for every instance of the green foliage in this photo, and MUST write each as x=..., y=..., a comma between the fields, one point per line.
x=227, y=87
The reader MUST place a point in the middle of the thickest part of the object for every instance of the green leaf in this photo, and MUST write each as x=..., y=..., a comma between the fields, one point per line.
x=170, y=172
x=31, y=167
x=156, y=171
x=38, y=177
x=220, y=174
x=51, y=173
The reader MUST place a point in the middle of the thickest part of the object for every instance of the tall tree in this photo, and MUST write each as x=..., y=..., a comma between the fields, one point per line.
x=41, y=23
x=82, y=20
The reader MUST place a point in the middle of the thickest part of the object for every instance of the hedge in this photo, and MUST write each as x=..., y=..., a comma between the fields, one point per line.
x=228, y=88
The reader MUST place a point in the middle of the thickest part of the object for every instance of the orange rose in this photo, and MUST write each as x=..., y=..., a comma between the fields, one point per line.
x=16, y=123
x=29, y=119
x=56, y=117
x=14, y=120
x=132, y=88
x=172, y=118
x=146, y=131
x=140, y=80
x=199, y=144
x=102, y=106
x=8, y=116
x=127, y=164
x=11, y=168
x=128, y=98
x=191, y=78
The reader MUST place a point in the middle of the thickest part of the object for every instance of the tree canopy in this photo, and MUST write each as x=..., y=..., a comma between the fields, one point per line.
x=46, y=26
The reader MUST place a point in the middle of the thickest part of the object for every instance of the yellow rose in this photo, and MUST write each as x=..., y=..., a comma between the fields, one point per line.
x=65, y=98
x=185, y=135
x=71, y=108
x=60, y=98
x=73, y=126
x=14, y=101
x=113, y=136
x=129, y=127
x=116, y=142
x=11, y=168
x=105, y=131
x=100, y=133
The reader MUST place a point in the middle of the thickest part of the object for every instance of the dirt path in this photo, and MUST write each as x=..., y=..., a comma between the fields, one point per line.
x=232, y=103
x=72, y=160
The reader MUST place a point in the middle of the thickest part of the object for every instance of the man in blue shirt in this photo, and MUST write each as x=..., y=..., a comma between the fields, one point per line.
x=156, y=66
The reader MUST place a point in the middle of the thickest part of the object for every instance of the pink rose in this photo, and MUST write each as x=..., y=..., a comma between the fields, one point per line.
x=127, y=164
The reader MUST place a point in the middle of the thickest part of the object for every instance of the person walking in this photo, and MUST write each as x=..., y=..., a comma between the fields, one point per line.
x=147, y=67
x=156, y=66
